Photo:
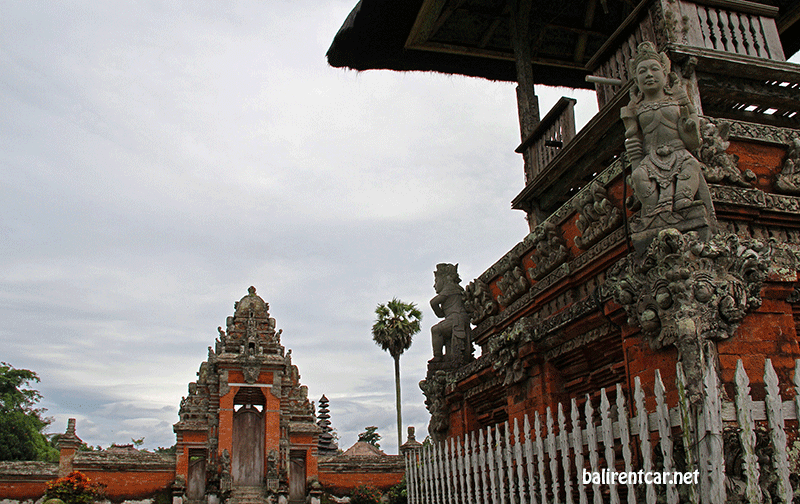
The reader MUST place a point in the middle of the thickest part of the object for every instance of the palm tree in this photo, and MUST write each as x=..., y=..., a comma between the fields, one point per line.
x=397, y=322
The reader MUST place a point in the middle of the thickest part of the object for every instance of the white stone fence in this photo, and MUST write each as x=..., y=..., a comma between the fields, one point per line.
x=547, y=464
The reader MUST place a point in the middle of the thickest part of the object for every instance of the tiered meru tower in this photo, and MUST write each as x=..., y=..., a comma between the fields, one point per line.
x=247, y=422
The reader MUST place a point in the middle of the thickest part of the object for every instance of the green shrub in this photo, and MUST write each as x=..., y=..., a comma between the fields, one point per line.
x=74, y=488
x=365, y=494
x=398, y=493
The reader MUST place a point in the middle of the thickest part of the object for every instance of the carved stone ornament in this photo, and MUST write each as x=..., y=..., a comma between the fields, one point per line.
x=512, y=285
x=434, y=387
x=597, y=218
x=788, y=180
x=251, y=369
x=719, y=166
x=688, y=292
x=504, y=351
x=479, y=302
x=661, y=129
x=551, y=249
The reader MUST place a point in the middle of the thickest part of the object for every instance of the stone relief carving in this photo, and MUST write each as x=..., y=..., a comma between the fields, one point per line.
x=763, y=132
x=452, y=334
x=479, y=302
x=551, y=249
x=719, y=166
x=504, y=349
x=433, y=387
x=512, y=285
x=597, y=216
x=661, y=130
x=689, y=292
x=788, y=180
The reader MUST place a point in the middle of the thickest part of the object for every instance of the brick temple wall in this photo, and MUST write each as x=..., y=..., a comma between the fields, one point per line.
x=339, y=475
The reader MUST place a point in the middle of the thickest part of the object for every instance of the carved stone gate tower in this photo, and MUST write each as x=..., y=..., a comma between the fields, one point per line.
x=246, y=428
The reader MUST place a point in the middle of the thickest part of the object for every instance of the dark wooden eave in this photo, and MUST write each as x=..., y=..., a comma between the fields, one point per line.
x=472, y=37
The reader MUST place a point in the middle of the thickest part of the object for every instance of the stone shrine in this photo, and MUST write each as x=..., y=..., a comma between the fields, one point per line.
x=247, y=428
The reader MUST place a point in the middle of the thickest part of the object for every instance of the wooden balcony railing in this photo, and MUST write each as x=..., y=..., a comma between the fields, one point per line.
x=544, y=143
x=737, y=27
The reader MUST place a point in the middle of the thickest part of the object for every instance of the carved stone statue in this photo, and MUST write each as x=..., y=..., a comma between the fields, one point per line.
x=661, y=128
x=225, y=477
x=453, y=333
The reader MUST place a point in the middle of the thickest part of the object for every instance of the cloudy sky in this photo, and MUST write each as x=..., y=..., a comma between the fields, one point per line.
x=158, y=158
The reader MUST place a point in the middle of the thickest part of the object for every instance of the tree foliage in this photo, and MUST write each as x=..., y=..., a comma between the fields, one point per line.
x=371, y=436
x=21, y=423
x=395, y=326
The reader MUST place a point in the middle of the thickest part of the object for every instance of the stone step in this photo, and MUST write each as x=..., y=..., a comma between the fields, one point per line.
x=247, y=495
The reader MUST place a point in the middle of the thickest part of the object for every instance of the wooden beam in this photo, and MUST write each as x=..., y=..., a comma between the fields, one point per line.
x=580, y=47
x=527, y=102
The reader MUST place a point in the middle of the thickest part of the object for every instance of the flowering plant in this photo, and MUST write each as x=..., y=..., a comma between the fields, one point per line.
x=74, y=488
x=365, y=494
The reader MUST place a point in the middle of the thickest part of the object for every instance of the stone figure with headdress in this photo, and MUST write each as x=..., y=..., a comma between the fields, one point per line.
x=661, y=130
x=451, y=336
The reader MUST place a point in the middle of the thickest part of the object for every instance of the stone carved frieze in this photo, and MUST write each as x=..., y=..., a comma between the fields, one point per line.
x=512, y=285
x=478, y=301
x=550, y=249
x=504, y=350
x=688, y=292
x=788, y=180
x=433, y=388
x=719, y=166
x=762, y=132
x=597, y=217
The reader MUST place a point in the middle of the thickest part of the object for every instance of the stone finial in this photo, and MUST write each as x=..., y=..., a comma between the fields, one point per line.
x=411, y=443
x=69, y=439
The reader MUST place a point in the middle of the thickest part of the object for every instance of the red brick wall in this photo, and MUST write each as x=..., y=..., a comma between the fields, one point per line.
x=343, y=483
x=132, y=484
x=31, y=487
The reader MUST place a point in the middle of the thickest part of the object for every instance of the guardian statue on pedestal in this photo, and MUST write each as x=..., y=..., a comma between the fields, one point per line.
x=453, y=333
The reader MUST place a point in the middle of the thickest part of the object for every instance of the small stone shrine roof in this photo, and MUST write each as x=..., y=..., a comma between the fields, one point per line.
x=364, y=449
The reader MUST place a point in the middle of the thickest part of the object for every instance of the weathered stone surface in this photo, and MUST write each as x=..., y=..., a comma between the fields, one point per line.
x=686, y=291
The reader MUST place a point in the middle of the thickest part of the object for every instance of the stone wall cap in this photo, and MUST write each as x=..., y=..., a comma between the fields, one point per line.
x=29, y=468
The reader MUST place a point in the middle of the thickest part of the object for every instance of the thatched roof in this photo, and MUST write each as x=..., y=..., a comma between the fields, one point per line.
x=473, y=37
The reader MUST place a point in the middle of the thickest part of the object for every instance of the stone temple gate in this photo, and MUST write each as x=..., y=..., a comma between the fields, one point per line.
x=246, y=428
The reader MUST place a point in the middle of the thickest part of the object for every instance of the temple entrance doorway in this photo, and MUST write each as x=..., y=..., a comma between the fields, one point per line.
x=196, y=482
x=247, y=461
x=297, y=477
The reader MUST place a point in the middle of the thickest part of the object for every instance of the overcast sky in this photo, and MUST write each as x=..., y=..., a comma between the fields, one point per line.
x=158, y=158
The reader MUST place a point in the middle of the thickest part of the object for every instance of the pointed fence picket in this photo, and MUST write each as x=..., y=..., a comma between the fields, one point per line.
x=545, y=464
